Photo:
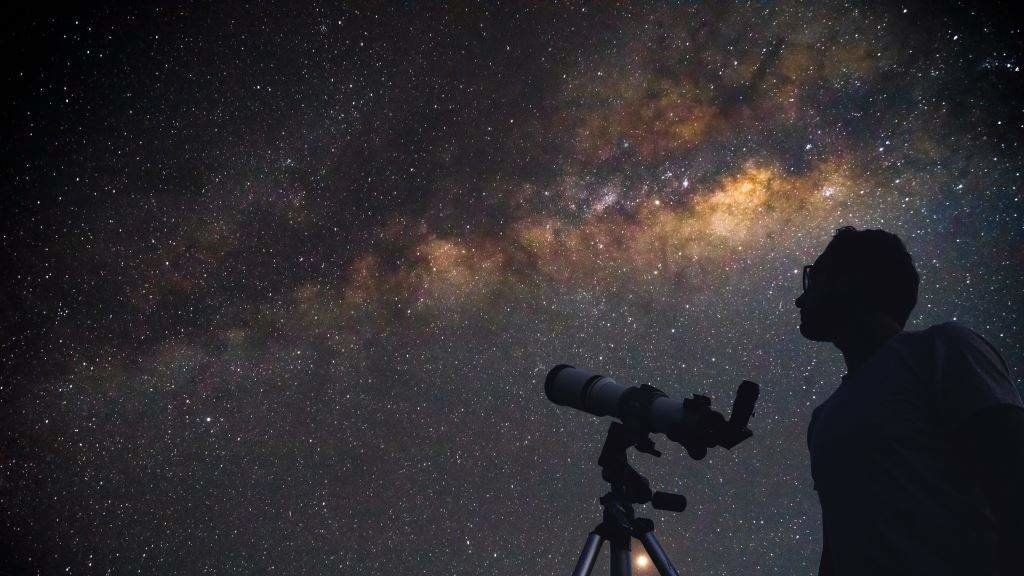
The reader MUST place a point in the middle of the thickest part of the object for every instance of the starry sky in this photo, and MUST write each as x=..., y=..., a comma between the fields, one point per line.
x=282, y=282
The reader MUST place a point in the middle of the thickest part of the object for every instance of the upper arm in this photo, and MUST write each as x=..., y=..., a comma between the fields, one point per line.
x=992, y=439
x=992, y=443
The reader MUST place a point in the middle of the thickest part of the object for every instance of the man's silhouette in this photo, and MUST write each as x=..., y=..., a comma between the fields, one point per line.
x=918, y=455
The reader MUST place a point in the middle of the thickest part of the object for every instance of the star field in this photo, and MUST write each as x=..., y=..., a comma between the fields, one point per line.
x=282, y=282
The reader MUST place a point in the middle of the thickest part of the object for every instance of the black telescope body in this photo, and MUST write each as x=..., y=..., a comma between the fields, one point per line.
x=691, y=422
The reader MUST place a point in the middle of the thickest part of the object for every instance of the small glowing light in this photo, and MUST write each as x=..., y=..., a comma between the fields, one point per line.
x=643, y=561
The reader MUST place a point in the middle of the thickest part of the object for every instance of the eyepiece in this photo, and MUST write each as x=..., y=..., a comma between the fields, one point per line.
x=743, y=405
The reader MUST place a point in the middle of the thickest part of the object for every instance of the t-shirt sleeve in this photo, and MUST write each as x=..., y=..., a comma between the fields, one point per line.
x=970, y=374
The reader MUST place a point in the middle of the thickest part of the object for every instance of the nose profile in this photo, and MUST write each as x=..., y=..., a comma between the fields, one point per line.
x=799, y=301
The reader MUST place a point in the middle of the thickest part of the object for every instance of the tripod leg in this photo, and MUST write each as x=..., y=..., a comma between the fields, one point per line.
x=620, y=556
x=589, y=554
x=657, y=554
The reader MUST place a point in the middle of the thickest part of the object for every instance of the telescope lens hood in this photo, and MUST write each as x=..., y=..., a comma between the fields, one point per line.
x=550, y=390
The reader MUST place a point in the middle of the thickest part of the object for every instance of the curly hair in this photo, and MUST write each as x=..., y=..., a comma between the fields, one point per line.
x=881, y=269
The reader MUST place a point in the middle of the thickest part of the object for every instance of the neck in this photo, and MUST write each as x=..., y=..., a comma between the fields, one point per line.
x=863, y=337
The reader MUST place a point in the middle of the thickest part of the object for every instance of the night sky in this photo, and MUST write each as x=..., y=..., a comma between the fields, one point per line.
x=281, y=283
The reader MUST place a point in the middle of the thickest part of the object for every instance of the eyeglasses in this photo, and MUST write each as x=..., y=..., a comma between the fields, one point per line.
x=807, y=275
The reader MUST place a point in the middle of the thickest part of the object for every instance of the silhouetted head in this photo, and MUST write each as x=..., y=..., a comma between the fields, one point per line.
x=860, y=274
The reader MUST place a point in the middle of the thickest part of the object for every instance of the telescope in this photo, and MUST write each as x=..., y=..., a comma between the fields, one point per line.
x=690, y=422
x=642, y=410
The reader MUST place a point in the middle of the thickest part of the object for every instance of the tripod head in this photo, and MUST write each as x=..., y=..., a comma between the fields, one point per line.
x=627, y=485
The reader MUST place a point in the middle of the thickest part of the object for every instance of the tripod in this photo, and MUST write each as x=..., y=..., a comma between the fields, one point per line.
x=619, y=525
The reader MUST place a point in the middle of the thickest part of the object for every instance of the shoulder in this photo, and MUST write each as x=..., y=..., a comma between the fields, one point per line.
x=957, y=335
x=961, y=347
x=952, y=329
x=952, y=348
x=969, y=373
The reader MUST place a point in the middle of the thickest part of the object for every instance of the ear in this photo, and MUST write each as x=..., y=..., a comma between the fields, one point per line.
x=847, y=289
x=842, y=283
